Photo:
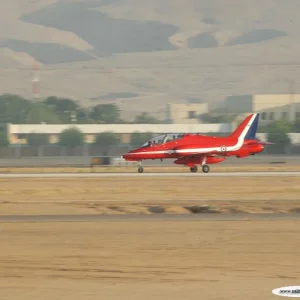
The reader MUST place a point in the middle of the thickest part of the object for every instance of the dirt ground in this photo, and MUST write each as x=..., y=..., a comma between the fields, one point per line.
x=148, y=260
x=113, y=195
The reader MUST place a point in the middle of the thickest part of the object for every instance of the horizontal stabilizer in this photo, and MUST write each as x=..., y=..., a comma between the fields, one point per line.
x=262, y=143
x=266, y=143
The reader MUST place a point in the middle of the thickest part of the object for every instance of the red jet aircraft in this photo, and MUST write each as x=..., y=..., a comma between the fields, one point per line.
x=192, y=149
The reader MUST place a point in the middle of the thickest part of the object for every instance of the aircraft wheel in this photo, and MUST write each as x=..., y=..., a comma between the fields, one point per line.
x=194, y=169
x=205, y=168
x=140, y=170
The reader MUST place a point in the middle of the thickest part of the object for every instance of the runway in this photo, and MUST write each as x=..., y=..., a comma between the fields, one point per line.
x=139, y=218
x=200, y=174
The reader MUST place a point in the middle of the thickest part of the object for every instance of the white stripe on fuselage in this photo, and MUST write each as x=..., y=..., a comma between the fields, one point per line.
x=235, y=147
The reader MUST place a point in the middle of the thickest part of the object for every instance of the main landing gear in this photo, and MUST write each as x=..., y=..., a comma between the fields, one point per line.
x=194, y=169
x=205, y=169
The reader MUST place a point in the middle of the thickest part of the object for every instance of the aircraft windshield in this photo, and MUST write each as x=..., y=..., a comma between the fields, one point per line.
x=161, y=139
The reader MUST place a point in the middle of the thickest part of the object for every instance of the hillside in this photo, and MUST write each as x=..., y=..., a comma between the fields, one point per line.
x=149, y=52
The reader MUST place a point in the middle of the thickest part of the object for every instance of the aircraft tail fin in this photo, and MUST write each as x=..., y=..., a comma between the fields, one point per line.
x=247, y=129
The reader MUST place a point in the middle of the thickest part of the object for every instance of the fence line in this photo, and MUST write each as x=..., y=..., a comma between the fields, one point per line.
x=19, y=151
x=87, y=150
x=24, y=151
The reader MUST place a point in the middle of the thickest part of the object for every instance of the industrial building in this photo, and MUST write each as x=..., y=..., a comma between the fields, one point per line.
x=185, y=113
x=272, y=107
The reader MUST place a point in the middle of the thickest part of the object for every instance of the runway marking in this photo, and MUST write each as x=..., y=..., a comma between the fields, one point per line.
x=88, y=175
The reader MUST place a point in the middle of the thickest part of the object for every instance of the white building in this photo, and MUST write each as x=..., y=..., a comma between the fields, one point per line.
x=18, y=133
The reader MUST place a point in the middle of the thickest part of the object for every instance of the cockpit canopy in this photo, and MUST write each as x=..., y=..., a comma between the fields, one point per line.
x=161, y=139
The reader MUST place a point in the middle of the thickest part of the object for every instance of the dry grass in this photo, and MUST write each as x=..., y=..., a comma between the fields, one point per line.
x=148, y=260
x=136, y=195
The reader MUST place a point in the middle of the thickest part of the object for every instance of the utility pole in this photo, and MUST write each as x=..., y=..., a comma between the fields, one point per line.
x=73, y=117
x=292, y=93
x=36, y=81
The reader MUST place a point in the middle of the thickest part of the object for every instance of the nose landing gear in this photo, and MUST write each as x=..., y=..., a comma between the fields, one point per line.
x=140, y=168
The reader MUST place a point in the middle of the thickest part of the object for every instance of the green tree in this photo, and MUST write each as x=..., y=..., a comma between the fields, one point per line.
x=4, y=142
x=296, y=126
x=71, y=138
x=3, y=139
x=39, y=112
x=139, y=138
x=105, y=113
x=61, y=104
x=83, y=116
x=13, y=109
x=63, y=107
x=107, y=140
x=37, y=139
x=145, y=118
x=277, y=133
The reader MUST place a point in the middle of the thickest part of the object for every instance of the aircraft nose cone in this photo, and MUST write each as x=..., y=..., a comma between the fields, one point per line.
x=129, y=156
x=126, y=156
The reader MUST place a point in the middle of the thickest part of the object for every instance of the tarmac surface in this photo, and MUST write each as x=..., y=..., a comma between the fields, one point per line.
x=200, y=174
x=84, y=161
x=157, y=217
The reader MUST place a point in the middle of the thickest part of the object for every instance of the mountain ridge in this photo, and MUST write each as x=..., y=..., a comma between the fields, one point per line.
x=160, y=51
